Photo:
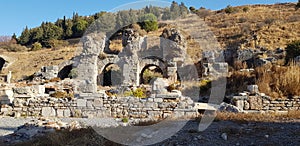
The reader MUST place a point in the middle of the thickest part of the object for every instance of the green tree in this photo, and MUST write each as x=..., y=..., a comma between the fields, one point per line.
x=292, y=51
x=149, y=22
x=175, y=10
x=36, y=46
x=183, y=10
x=36, y=35
x=25, y=36
x=50, y=32
x=298, y=5
x=193, y=9
x=79, y=27
x=229, y=9
x=166, y=15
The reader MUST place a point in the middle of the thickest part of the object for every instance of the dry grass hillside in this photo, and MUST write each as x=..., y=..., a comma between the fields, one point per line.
x=275, y=26
x=26, y=63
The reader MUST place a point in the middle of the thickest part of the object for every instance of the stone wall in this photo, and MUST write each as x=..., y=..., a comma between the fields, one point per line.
x=265, y=103
x=102, y=106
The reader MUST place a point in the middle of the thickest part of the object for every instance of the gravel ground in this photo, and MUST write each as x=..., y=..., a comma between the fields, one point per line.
x=9, y=124
x=284, y=133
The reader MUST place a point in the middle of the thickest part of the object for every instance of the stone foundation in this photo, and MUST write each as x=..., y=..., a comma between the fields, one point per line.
x=103, y=106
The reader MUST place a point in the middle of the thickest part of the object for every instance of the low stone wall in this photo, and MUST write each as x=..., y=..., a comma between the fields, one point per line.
x=102, y=106
x=265, y=103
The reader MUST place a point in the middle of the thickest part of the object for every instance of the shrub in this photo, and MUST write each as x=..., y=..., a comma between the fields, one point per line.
x=246, y=9
x=298, y=5
x=229, y=9
x=60, y=94
x=174, y=86
x=149, y=22
x=125, y=120
x=57, y=44
x=139, y=92
x=292, y=51
x=73, y=73
x=13, y=47
x=36, y=46
x=148, y=75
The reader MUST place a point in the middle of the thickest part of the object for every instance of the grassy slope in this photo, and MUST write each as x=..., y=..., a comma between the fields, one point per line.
x=228, y=28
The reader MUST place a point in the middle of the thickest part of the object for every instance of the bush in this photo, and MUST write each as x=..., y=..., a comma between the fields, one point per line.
x=148, y=75
x=36, y=46
x=139, y=92
x=11, y=47
x=73, y=73
x=149, y=22
x=298, y=5
x=57, y=44
x=292, y=51
x=229, y=9
x=246, y=9
x=125, y=120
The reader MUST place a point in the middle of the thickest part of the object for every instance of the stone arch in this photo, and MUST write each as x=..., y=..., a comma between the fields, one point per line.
x=65, y=71
x=157, y=69
x=2, y=63
x=149, y=61
x=110, y=75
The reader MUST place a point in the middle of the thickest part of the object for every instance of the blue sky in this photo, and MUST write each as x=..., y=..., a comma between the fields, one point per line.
x=16, y=14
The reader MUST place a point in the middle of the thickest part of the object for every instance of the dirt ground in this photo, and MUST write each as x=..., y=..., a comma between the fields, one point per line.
x=242, y=133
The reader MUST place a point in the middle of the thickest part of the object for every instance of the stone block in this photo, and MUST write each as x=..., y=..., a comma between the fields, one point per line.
x=253, y=88
x=240, y=104
x=158, y=100
x=81, y=102
x=60, y=112
x=255, y=102
x=48, y=112
x=98, y=102
x=89, y=104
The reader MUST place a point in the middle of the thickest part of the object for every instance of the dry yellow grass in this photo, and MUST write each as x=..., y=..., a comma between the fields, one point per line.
x=258, y=117
x=275, y=26
x=279, y=81
x=27, y=63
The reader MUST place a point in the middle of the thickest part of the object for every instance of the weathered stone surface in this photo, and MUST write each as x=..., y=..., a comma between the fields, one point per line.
x=159, y=86
x=81, y=102
x=48, y=112
x=255, y=102
x=228, y=108
x=253, y=88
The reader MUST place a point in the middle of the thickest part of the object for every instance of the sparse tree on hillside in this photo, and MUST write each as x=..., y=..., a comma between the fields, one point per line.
x=25, y=36
x=183, y=10
x=193, y=9
x=50, y=32
x=79, y=27
x=298, y=5
x=292, y=51
x=203, y=13
x=175, y=10
x=149, y=22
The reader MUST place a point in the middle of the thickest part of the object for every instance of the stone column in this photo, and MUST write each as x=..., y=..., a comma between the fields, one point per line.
x=87, y=68
x=8, y=78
